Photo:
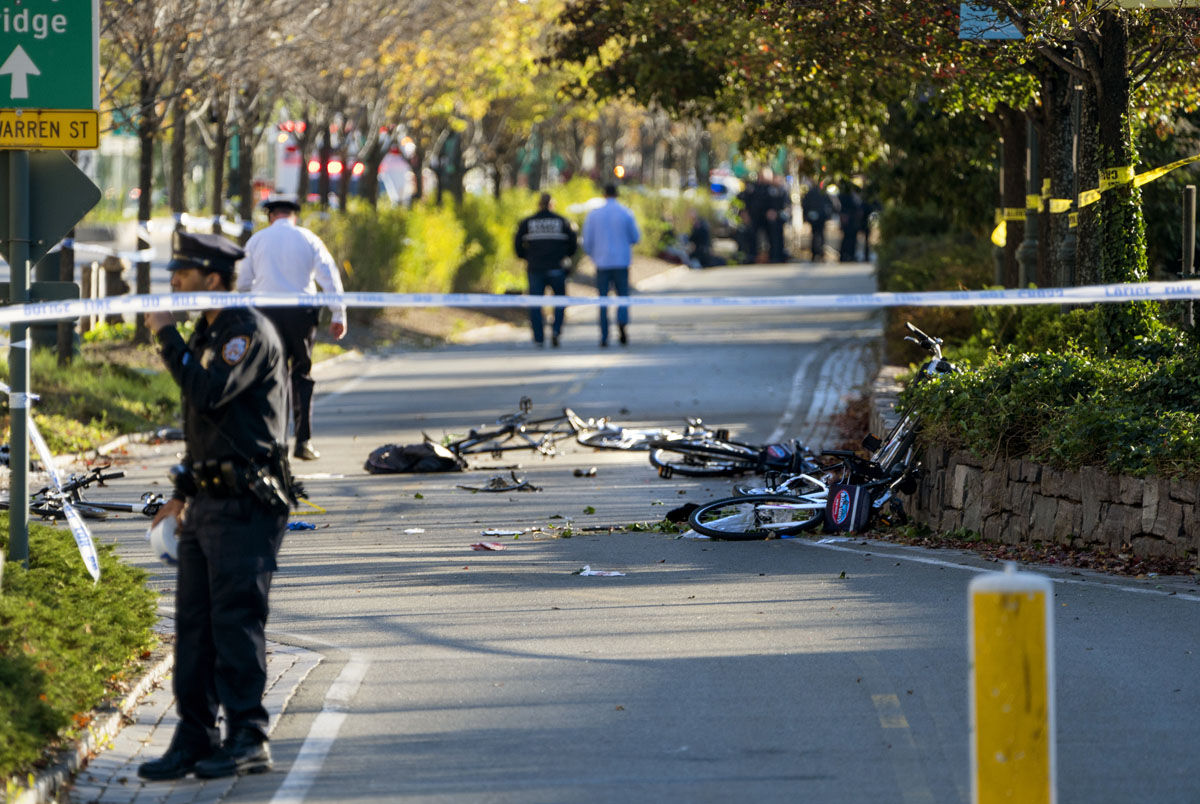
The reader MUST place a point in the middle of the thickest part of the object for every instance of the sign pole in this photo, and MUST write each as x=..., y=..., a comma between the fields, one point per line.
x=18, y=357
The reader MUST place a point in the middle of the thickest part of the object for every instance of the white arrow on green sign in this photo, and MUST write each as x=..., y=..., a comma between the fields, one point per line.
x=49, y=54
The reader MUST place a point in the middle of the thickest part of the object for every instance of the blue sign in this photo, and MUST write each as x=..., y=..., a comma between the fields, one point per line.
x=977, y=21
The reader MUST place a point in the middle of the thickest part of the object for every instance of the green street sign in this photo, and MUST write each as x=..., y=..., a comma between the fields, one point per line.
x=49, y=54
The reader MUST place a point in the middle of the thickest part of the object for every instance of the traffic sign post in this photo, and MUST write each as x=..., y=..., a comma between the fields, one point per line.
x=49, y=94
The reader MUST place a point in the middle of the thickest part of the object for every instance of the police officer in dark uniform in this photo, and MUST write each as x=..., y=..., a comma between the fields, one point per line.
x=231, y=500
x=546, y=241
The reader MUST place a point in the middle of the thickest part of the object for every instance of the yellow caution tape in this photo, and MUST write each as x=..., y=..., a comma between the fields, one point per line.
x=1151, y=175
x=1033, y=202
x=1073, y=220
x=1112, y=177
x=1115, y=177
x=1000, y=234
x=1060, y=204
x=313, y=508
x=1014, y=214
x=1045, y=188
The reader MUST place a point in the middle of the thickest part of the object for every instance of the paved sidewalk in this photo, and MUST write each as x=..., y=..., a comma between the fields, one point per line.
x=111, y=777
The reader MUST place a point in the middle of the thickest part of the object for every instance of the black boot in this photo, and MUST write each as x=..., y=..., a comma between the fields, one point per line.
x=175, y=764
x=245, y=752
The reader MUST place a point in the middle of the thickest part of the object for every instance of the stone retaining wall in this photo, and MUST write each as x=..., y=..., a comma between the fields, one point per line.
x=1015, y=501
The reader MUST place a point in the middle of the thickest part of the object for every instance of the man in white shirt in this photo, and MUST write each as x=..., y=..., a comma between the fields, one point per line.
x=287, y=258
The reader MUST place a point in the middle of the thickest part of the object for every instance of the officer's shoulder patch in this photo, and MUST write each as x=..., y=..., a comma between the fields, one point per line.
x=235, y=349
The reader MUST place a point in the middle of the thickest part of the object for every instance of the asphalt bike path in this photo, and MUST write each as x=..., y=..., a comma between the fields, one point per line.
x=411, y=667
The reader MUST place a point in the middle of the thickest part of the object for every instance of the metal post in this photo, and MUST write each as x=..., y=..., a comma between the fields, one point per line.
x=1011, y=645
x=18, y=357
x=1188, y=265
x=1027, y=254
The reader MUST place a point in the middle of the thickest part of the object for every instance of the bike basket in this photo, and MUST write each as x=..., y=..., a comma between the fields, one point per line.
x=847, y=508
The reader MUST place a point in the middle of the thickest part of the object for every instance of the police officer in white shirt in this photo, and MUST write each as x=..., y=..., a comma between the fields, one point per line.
x=287, y=258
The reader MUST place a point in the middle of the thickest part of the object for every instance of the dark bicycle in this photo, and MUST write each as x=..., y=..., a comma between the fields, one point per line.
x=516, y=431
x=47, y=502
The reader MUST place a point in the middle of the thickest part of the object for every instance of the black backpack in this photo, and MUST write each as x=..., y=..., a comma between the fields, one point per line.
x=416, y=458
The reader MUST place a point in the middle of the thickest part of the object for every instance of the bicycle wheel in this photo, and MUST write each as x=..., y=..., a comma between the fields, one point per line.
x=46, y=509
x=702, y=457
x=762, y=516
x=625, y=438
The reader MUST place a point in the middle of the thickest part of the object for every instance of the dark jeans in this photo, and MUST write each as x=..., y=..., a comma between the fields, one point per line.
x=538, y=282
x=297, y=327
x=227, y=550
x=618, y=279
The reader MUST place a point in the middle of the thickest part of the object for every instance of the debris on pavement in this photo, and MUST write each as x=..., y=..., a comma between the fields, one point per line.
x=681, y=513
x=589, y=472
x=502, y=483
x=488, y=546
x=587, y=570
x=414, y=530
x=301, y=526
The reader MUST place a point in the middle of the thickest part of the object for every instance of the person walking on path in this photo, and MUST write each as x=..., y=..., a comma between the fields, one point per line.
x=818, y=209
x=850, y=211
x=547, y=242
x=287, y=258
x=231, y=506
x=609, y=234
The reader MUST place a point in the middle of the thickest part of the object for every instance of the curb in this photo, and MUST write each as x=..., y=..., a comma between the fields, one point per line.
x=51, y=781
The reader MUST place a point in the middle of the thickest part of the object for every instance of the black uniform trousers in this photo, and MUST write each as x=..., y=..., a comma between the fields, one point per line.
x=297, y=327
x=227, y=552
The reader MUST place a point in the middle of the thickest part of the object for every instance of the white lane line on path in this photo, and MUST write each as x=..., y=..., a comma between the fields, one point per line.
x=799, y=387
x=323, y=733
x=939, y=562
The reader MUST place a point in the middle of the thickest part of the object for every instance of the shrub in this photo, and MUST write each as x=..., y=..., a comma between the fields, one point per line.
x=1071, y=409
x=65, y=642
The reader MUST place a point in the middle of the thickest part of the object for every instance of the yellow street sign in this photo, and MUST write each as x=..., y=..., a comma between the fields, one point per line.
x=58, y=129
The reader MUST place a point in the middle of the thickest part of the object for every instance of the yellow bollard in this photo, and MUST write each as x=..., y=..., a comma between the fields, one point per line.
x=1012, y=688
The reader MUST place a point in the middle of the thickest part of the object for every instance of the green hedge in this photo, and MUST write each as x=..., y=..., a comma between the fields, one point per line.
x=432, y=249
x=1110, y=385
x=65, y=643
x=1069, y=409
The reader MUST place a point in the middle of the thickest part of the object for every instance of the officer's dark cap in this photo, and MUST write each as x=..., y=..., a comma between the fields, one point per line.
x=208, y=252
x=281, y=201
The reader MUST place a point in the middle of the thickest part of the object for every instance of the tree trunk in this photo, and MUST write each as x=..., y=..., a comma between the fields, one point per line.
x=1012, y=132
x=147, y=129
x=369, y=183
x=245, y=187
x=1087, y=232
x=217, y=154
x=1058, y=169
x=324, y=151
x=1124, y=257
x=177, y=189
x=1122, y=227
x=418, y=168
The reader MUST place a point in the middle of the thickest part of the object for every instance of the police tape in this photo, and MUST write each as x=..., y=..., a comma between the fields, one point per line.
x=178, y=302
x=79, y=530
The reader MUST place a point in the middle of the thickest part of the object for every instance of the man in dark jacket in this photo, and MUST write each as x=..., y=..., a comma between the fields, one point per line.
x=546, y=241
x=818, y=209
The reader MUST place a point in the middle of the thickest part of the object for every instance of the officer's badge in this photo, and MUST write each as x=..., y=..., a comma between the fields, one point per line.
x=235, y=349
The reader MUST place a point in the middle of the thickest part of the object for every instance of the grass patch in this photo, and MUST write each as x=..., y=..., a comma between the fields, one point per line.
x=66, y=644
x=111, y=389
